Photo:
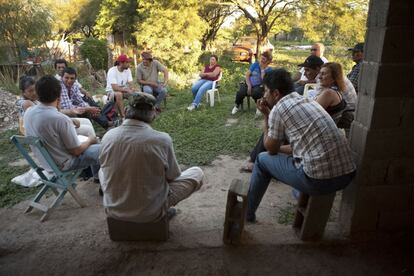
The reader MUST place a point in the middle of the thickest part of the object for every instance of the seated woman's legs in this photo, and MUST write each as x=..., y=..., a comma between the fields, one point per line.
x=257, y=92
x=196, y=85
x=207, y=84
x=240, y=95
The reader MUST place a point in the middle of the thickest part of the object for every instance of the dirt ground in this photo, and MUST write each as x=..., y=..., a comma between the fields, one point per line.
x=75, y=240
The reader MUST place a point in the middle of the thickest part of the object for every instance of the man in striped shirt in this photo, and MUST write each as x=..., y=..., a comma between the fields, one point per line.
x=318, y=159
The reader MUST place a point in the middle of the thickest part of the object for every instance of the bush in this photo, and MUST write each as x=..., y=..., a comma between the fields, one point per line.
x=95, y=51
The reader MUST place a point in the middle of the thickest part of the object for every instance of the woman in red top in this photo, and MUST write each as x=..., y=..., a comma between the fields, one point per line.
x=210, y=73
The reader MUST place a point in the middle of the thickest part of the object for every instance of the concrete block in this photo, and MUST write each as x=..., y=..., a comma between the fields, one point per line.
x=393, y=198
x=365, y=107
x=397, y=47
x=384, y=144
x=387, y=113
x=401, y=172
x=399, y=12
x=393, y=80
x=372, y=172
x=407, y=113
x=374, y=41
x=368, y=79
x=358, y=137
x=377, y=14
x=396, y=220
x=365, y=217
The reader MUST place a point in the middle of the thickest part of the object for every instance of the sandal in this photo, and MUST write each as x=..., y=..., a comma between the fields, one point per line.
x=247, y=168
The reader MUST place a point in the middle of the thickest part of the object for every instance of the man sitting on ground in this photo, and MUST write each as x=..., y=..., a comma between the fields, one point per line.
x=318, y=159
x=147, y=77
x=144, y=194
x=57, y=132
x=119, y=83
x=357, y=57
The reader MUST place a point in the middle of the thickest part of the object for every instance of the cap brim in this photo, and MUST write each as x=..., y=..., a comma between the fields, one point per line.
x=303, y=65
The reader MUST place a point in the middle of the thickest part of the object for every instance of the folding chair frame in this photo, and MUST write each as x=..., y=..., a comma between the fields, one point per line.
x=60, y=183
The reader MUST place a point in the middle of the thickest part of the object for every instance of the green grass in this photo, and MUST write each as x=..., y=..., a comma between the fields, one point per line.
x=198, y=136
x=11, y=193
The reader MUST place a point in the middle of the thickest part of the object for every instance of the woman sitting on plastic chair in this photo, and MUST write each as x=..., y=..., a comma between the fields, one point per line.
x=210, y=74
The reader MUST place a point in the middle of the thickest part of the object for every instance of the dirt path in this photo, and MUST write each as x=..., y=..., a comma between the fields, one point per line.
x=75, y=240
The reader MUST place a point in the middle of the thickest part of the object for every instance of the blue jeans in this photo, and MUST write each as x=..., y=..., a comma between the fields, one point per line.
x=282, y=168
x=199, y=88
x=90, y=157
x=159, y=93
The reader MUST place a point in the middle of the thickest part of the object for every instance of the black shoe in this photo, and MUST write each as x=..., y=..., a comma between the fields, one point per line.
x=100, y=192
x=171, y=213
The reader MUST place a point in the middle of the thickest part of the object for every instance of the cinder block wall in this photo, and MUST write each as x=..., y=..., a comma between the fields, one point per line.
x=381, y=197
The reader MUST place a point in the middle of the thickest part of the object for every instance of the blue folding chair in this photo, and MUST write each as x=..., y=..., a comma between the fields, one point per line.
x=60, y=183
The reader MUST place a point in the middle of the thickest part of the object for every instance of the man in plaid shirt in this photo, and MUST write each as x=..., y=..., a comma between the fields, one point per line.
x=71, y=102
x=318, y=159
x=357, y=57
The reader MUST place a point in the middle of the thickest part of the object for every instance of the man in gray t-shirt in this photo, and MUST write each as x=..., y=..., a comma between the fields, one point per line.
x=147, y=77
x=57, y=131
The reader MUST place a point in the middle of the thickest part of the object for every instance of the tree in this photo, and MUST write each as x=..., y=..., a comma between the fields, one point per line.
x=23, y=24
x=214, y=14
x=86, y=18
x=120, y=16
x=340, y=21
x=172, y=30
x=266, y=16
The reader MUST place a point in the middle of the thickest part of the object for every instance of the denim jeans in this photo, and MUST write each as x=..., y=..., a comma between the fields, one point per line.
x=199, y=88
x=90, y=157
x=282, y=168
x=159, y=93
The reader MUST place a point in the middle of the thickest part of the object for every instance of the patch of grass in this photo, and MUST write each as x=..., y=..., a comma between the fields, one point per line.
x=11, y=193
x=286, y=215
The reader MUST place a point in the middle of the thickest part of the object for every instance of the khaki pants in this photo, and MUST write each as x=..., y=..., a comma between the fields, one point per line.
x=183, y=186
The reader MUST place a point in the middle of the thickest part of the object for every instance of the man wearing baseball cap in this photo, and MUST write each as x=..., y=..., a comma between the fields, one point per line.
x=119, y=82
x=140, y=176
x=311, y=67
x=357, y=57
x=147, y=77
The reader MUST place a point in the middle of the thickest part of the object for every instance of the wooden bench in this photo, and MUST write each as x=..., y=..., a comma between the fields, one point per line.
x=120, y=230
x=312, y=213
x=236, y=210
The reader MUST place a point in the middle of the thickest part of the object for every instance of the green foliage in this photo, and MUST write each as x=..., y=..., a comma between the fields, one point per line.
x=119, y=16
x=85, y=19
x=11, y=193
x=23, y=24
x=172, y=30
x=341, y=22
x=96, y=51
x=8, y=82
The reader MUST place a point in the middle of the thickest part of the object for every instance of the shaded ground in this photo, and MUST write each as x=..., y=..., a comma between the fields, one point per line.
x=75, y=240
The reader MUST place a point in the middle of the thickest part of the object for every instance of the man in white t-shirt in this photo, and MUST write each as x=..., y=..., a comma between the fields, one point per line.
x=119, y=83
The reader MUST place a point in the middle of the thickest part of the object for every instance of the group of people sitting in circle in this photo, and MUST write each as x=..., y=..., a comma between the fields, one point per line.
x=301, y=144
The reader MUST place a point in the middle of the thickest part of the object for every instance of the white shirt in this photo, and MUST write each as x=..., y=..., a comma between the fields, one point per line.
x=114, y=76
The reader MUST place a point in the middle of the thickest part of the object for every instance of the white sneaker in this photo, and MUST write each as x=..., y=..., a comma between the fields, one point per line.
x=258, y=113
x=234, y=110
x=191, y=107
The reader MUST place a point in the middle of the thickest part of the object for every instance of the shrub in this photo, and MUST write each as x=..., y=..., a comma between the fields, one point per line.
x=95, y=51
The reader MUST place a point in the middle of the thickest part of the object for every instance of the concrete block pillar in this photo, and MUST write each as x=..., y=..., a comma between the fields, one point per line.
x=381, y=197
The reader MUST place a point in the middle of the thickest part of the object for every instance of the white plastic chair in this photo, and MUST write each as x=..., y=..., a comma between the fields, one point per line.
x=214, y=89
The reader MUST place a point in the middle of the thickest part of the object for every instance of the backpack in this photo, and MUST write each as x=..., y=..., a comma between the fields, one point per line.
x=109, y=111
